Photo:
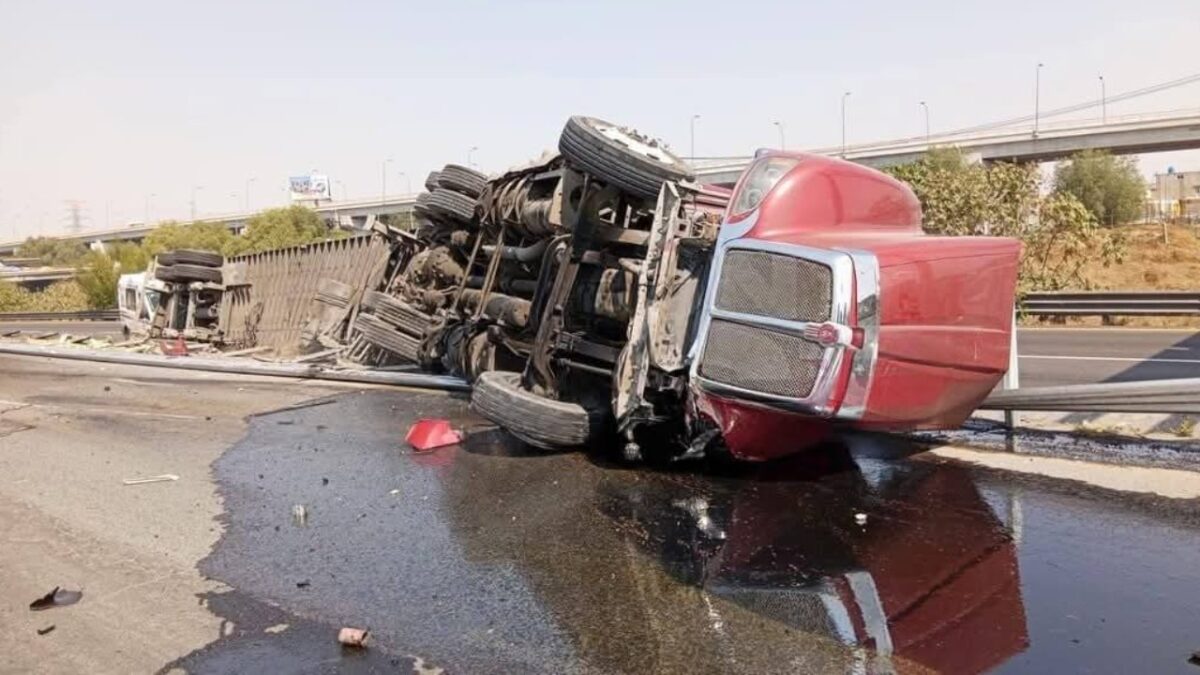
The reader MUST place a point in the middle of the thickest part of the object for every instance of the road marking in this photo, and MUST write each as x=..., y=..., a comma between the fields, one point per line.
x=1125, y=359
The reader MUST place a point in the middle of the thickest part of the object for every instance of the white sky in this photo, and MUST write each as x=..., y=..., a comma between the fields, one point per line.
x=110, y=103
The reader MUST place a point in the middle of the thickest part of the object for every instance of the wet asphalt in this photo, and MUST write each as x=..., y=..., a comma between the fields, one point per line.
x=493, y=558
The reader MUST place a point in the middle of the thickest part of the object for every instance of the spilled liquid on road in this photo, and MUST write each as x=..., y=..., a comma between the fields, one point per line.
x=491, y=557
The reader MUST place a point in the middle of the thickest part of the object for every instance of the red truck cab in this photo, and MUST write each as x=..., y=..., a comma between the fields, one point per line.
x=828, y=304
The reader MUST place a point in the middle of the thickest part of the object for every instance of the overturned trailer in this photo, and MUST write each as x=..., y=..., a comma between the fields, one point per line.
x=601, y=294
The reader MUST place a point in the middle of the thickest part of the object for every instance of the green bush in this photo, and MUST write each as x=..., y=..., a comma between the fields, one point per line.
x=99, y=272
x=53, y=252
x=1058, y=232
x=1110, y=188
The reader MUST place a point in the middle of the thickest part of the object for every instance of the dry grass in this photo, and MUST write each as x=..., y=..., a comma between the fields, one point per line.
x=1150, y=265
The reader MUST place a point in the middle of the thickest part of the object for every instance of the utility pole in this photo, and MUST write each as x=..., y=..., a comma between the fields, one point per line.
x=193, y=203
x=692, y=150
x=782, y=142
x=74, y=216
x=926, y=108
x=844, y=97
x=1103, y=103
x=1037, y=98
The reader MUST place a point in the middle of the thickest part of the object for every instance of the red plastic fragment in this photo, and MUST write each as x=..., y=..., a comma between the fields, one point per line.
x=428, y=434
x=177, y=348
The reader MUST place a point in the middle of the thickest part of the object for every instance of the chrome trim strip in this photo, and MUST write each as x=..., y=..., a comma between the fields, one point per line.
x=842, y=275
x=862, y=367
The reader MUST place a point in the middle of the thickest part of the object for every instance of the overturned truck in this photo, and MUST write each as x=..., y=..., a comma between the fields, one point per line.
x=601, y=294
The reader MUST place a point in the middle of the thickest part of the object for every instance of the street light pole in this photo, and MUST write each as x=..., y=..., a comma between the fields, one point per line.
x=471, y=152
x=246, y=195
x=146, y=217
x=782, y=142
x=1103, y=102
x=1037, y=98
x=407, y=183
x=925, y=106
x=844, y=97
x=692, y=150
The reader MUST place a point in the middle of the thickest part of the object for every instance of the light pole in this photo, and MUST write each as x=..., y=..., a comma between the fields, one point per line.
x=383, y=177
x=692, y=124
x=925, y=106
x=782, y=142
x=845, y=96
x=1037, y=97
x=407, y=183
x=247, y=193
x=343, y=187
x=471, y=152
x=1103, y=103
x=146, y=217
x=195, y=188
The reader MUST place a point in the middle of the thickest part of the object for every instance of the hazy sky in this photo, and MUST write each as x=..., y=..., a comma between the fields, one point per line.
x=110, y=102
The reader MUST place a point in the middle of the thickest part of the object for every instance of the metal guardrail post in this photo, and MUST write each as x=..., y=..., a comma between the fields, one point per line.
x=1012, y=376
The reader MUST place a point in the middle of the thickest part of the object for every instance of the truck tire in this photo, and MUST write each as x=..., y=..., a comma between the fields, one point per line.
x=188, y=273
x=450, y=204
x=189, y=256
x=421, y=205
x=462, y=180
x=397, y=313
x=620, y=156
x=539, y=421
x=431, y=181
x=381, y=335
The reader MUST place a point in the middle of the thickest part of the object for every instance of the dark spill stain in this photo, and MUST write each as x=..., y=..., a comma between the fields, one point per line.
x=492, y=557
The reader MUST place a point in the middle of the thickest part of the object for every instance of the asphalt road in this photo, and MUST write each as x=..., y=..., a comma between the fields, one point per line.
x=490, y=558
x=96, y=328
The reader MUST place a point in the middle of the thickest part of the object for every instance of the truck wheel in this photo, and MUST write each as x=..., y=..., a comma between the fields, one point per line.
x=451, y=204
x=431, y=181
x=539, y=421
x=185, y=273
x=462, y=180
x=620, y=156
x=381, y=335
x=189, y=256
x=397, y=313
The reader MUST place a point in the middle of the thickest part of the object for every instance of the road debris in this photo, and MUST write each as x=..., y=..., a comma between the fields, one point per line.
x=1195, y=660
x=166, y=477
x=56, y=598
x=429, y=433
x=300, y=515
x=353, y=637
x=860, y=518
x=47, y=629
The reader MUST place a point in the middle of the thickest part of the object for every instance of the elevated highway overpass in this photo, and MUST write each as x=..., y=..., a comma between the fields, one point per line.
x=1131, y=134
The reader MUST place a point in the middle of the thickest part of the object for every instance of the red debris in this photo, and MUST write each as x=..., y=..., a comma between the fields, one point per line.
x=177, y=348
x=428, y=434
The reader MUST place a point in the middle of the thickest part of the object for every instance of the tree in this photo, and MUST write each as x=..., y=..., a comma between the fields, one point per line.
x=1111, y=188
x=99, y=272
x=171, y=236
x=53, y=252
x=1058, y=233
x=279, y=228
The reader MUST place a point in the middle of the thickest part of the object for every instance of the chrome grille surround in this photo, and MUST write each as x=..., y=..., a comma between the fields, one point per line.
x=816, y=402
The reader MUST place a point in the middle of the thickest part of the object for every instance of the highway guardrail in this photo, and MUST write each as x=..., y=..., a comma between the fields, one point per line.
x=1180, y=396
x=85, y=315
x=1112, y=303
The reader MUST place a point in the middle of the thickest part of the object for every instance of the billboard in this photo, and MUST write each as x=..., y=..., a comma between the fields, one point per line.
x=309, y=188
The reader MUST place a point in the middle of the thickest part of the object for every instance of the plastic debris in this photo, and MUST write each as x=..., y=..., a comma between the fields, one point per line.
x=176, y=348
x=860, y=518
x=353, y=637
x=429, y=434
x=47, y=629
x=153, y=479
x=300, y=515
x=56, y=598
